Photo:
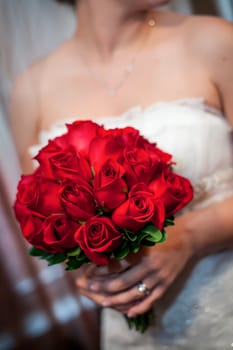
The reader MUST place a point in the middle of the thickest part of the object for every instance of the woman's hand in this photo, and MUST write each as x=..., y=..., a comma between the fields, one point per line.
x=157, y=267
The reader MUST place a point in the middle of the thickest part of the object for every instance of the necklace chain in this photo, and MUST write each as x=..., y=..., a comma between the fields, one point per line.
x=128, y=70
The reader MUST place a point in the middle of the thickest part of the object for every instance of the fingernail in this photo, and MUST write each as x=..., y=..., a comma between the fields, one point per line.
x=94, y=287
x=106, y=303
x=131, y=314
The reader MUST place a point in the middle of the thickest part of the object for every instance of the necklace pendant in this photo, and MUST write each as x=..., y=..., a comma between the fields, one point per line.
x=151, y=22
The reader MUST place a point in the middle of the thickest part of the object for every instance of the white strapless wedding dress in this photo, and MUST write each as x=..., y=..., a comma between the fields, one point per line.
x=197, y=312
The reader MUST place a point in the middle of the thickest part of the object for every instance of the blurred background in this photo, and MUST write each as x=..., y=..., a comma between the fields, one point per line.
x=40, y=307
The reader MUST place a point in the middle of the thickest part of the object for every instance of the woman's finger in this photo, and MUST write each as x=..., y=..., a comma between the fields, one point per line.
x=125, y=308
x=132, y=295
x=97, y=298
x=122, y=281
x=115, y=267
x=82, y=278
x=147, y=303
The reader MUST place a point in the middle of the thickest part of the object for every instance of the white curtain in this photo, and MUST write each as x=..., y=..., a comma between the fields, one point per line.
x=225, y=8
x=29, y=30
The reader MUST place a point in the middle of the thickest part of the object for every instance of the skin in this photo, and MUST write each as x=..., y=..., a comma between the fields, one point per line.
x=185, y=56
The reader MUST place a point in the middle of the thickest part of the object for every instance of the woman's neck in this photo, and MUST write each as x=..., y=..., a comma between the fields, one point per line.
x=106, y=29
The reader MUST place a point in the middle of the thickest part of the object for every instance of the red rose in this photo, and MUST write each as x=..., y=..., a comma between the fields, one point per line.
x=141, y=165
x=28, y=193
x=125, y=137
x=174, y=190
x=63, y=163
x=165, y=158
x=53, y=234
x=58, y=233
x=31, y=227
x=38, y=194
x=109, y=187
x=48, y=197
x=78, y=201
x=82, y=133
x=102, y=149
x=111, y=145
x=98, y=238
x=45, y=154
x=139, y=209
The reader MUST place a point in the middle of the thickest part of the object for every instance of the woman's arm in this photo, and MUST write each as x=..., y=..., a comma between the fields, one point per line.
x=24, y=110
x=212, y=41
x=211, y=229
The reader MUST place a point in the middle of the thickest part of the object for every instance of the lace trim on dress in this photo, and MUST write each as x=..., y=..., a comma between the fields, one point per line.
x=198, y=103
x=59, y=127
x=213, y=188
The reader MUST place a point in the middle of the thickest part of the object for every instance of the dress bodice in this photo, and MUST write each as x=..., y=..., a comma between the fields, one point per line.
x=198, y=137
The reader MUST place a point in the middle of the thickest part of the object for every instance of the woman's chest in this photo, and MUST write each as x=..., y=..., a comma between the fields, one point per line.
x=96, y=94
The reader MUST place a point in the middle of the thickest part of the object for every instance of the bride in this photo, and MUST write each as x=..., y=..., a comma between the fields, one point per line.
x=170, y=76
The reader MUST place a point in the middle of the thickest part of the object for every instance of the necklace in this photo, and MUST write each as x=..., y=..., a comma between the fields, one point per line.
x=128, y=69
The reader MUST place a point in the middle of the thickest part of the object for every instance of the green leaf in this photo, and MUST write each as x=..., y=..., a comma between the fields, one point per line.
x=153, y=234
x=148, y=243
x=155, y=237
x=78, y=254
x=73, y=264
x=164, y=237
x=100, y=211
x=33, y=251
x=75, y=252
x=135, y=249
x=56, y=259
x=150, y=229
x=141, y=322
x=40, y=253
x=130, y=236
x=169, y=221
x=141, y=236
x=124, y=244
x=52, y=259
x=82, y=257
x=122, y=253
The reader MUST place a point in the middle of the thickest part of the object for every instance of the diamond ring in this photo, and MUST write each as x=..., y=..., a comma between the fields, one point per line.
x=142, y=288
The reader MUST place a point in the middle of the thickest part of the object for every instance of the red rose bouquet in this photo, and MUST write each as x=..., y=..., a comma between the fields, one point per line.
x=97, y=195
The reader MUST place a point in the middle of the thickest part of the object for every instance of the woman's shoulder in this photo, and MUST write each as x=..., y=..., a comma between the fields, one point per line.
x=44, y=67
x=201, y=33
x=209, y=34
x=206, y=39
x=40, y=77
x=25, y=108
x=205, y=27
x=210, y=41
